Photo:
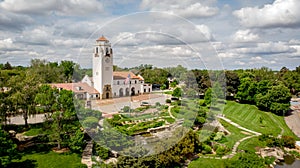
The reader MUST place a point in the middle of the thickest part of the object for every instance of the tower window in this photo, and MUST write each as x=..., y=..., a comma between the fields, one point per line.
x=106, y=52
x=118, y=82
x=96, y=50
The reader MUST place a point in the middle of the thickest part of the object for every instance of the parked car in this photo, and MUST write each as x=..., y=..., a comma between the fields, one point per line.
x=145, y=104
x=174, y=98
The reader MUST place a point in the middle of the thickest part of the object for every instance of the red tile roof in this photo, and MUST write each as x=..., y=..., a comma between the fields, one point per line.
x=84, y=87
x=124, y=75
x=102, y=38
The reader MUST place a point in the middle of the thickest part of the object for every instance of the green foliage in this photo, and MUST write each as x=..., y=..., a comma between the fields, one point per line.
x=221, y=150
x=208, y=96
x=246, y=90
x=101, y=151
x=177, y=92
x=168, y=101
x=284, y=141
x=76, y=142
x=288, y=141
x=90, y=122
x=126, y=109
x=246, y=160
x=206, y=149
x=8, y=149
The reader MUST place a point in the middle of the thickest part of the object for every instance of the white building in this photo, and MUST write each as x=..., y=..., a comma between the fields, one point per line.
x=111, y=84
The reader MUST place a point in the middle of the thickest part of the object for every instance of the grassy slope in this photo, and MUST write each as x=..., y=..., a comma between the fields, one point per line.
x=249, y=116
x=236, y=134
x=49, y=160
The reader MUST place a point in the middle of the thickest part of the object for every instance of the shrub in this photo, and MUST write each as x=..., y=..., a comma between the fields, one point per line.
x=206, y=149
x=288, y=141
x=126, y=109
x=168, y=101
x=221, y=150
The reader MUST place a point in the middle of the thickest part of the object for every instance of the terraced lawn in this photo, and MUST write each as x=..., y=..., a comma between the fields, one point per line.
x=249, y=116
x=236, y=134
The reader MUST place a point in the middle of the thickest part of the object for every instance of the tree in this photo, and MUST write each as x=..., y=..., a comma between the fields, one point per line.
x=23, y=91
x=46, y=97
x=177, y=92
x=7, y=66
x=64, y=110
x=246, y=90
x=8, y=150
x=76, y=142
x=68, y=69
x=279, y=97
x=232, y=82
x=208, y=96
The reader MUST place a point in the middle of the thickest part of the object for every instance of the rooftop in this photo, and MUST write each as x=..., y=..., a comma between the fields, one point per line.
x=76, y=87
x=102, y=38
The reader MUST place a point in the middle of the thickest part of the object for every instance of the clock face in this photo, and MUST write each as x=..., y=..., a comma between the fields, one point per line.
x=107, y=60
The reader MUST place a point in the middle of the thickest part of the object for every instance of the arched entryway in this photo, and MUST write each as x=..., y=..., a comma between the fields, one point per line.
x=121, y=94
x=127, y=91
x=107, y=95
x=132, y=91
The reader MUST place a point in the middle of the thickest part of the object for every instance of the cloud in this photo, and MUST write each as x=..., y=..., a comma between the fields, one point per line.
x=267, y=48
x=281, y=13
x=7, y=45
x=41, y=35
x=187, y=8
x=245, y=36
x=16, y=22
x=62, y=7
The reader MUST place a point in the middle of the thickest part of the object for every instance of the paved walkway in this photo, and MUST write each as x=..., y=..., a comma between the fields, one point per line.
x=32, y=119
x=87, y=154
x=238, y=126
x=115, y=105
x=169, y=110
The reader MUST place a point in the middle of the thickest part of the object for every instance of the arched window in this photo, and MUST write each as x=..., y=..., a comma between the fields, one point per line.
x=96, y=50
x=106, y=51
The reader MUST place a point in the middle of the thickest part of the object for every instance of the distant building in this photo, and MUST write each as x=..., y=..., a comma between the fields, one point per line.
x=113, y=84
x=80, y=90
x=106, y=84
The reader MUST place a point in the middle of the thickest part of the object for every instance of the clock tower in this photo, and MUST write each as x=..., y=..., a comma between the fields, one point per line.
x=103, y=68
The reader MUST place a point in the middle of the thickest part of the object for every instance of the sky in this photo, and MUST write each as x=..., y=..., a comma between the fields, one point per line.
x=211, y=34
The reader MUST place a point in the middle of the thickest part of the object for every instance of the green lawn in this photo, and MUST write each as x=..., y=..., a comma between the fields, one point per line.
x=48, y=160
x=236, y=134
x=207, y=163
x=249, y=116
x=250, y=144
